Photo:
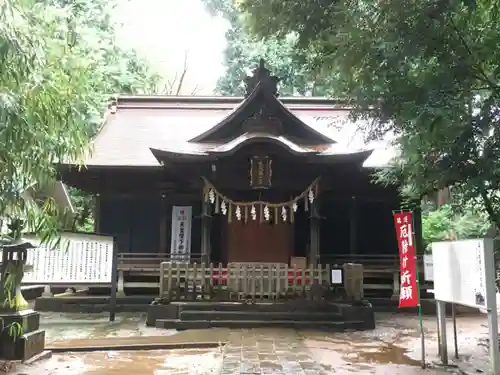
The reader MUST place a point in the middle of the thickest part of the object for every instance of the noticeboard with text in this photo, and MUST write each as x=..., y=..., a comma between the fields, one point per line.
x=462, y=275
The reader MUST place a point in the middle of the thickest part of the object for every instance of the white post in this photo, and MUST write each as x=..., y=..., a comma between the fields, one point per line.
x=121, y=284
x=47, y=292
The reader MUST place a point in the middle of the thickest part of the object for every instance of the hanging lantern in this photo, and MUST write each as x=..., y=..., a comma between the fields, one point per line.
x=260, y=172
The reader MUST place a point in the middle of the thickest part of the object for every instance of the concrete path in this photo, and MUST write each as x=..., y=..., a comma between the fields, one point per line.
x=192, y=339
x=267, y=352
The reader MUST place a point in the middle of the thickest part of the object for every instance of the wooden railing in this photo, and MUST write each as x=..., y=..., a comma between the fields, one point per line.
x=377, y=269
x=147, y=262
x=365, y=259
x=385, y=262
x=241, y=281
x=151, y=261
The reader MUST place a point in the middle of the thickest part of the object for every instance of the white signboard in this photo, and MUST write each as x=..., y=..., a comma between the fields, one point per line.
x=180, y=248
x=336, y=276
x=428, y=268
x=462, y=275
x=80, y=259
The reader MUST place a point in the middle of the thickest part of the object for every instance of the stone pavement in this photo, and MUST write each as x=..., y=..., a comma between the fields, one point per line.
x=267, y=351
x=194, y=339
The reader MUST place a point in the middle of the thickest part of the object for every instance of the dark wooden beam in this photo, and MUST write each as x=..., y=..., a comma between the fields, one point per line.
x=353, y=226
x=315, y=236
x=164, y=227
x=205, y=232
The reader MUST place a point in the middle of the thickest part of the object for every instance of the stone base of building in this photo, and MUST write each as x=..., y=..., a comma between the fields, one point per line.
x=290, y=314
x=92, y=304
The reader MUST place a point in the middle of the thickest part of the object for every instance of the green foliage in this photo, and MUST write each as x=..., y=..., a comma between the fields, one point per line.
x=14, y=330
x=59, y=65
x=84, y=205
x=243, y=52
x=447, y=223
x=426, y=73
x=116, y=70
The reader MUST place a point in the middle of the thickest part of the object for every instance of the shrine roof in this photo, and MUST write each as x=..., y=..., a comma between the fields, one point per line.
x=137, y=125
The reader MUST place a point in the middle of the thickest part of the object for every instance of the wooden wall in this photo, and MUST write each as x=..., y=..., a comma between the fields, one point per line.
x=138, y=224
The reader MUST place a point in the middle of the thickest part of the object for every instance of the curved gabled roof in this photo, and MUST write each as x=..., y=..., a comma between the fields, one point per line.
x=260, y=97
x=145, y=131
x=138, y=124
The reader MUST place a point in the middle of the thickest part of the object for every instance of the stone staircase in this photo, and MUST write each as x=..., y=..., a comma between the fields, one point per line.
x=202, y=315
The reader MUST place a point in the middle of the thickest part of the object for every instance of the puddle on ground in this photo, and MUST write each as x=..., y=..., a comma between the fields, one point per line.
x=344, y=351
x=159, y=362
x=387, y=353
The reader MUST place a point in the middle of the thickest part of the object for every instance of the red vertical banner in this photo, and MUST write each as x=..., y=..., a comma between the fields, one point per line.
x=408, y=295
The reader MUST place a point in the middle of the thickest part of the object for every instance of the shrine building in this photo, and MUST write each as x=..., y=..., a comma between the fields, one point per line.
x=253, y=179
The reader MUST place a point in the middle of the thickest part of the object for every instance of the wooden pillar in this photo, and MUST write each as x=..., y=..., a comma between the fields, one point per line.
x=163, y=224
x=206, y=219
x=130, y=224
x=353, y=226
x=97, y=213
x=314, y=241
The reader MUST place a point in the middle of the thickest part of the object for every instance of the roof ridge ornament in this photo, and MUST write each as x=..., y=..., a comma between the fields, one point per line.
x=263, y=76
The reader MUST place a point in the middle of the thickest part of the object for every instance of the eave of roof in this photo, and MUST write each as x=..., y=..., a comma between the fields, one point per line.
x=135, y=125
x=248, y=138
x=150, y=101
x=332, y=153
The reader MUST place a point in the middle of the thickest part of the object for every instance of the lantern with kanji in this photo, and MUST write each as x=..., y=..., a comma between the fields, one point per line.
x=260, y=172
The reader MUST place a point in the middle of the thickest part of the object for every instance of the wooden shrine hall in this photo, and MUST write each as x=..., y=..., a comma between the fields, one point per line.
x=250, y=179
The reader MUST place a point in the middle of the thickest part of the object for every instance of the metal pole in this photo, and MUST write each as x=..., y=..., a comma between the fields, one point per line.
x=491, y=304
x=114, y=282
x=443, y=349
x=438, y=332
x=422, y=337
x=455, y=336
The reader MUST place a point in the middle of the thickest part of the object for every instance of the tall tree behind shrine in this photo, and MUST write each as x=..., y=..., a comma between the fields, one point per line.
x=60, y=65
x=243, y=51
x=428, y=72
x=122, y=71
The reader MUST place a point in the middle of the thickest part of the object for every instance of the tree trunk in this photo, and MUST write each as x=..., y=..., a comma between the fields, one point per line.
x=489, y=208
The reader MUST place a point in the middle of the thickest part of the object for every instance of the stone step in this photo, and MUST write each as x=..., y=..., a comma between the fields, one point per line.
x=205, y=324
x=91, y=304
x=257, y=315
x=264, y=307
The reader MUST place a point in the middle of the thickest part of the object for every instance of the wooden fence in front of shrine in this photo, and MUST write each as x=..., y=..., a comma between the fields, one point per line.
x=241, y=281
